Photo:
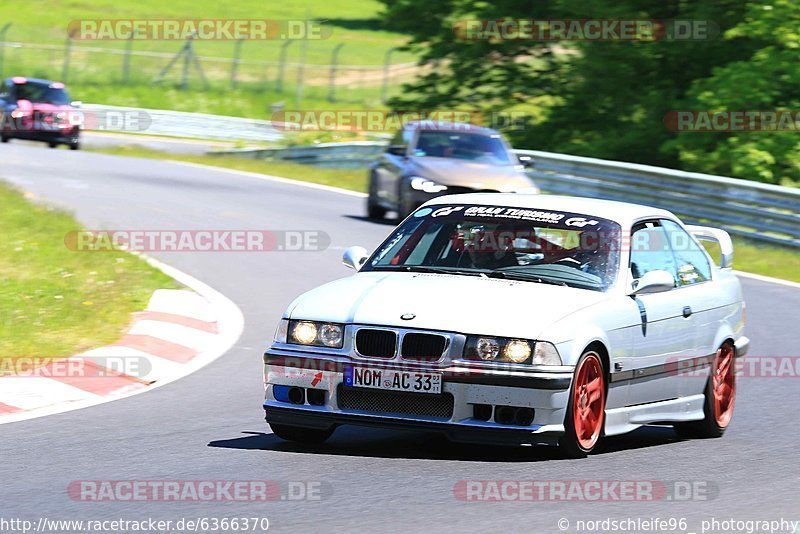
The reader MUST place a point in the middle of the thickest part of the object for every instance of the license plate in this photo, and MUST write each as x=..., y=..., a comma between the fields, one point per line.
x=392, y=380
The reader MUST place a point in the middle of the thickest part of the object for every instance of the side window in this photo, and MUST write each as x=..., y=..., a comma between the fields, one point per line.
x=650, y=250
x=692, y=262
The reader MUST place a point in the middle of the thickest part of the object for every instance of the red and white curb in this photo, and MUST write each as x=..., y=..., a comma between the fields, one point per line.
x=179, y=332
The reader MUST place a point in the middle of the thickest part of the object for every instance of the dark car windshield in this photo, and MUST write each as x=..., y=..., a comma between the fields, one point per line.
x=532, y=245
x=463, y=145
x=43, y=94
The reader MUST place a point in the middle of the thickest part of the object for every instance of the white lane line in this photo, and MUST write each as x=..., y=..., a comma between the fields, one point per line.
x=769, y=279
x=230, y=323
x=181, y=302
x=271, y=178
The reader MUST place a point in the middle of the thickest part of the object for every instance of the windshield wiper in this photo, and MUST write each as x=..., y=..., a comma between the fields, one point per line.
x=426, y=269
x=505, y=275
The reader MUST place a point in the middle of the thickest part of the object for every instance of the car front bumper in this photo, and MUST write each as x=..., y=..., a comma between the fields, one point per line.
x=50, y=136
x=545, y=393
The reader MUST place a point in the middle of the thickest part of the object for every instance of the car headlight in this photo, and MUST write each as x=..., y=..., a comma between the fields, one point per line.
x=510, y=350
x=316, y=333
x=428, y=186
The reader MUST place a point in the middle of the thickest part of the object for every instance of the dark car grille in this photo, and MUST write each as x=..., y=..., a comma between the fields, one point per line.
x=423, y=347
x=396, y=402
x=376, y=343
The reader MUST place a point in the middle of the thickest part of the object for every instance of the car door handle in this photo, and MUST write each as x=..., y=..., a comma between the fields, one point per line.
x=687, y=311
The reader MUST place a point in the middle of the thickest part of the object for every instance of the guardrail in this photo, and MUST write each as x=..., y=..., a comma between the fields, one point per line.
x=191, y=125
x=352, y=155
x=750, y=209
x=755, y=210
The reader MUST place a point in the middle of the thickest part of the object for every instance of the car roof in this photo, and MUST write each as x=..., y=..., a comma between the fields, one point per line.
x=33, y=81
x=435, y=125
x=622, y=212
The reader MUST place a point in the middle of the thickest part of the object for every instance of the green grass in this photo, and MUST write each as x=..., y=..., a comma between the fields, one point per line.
x=749, y=256
x=242, y=102
x=97, y=77
x=353, y=22
x=767, y=260
x=55, y=302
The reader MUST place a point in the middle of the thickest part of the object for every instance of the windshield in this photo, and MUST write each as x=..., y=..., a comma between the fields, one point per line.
x=461, y=145
x=42, y=94
x=532, y=245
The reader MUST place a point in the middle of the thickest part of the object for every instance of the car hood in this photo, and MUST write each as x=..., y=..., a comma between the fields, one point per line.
x=43, y=107
x=51, y=108
x=472, y=174
x=453, y=303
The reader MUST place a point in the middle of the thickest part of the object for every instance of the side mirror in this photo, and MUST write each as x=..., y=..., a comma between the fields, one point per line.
x=354, y=257
x=396, y=150
x=653, y=282
x=76, y=104
x=525, y=161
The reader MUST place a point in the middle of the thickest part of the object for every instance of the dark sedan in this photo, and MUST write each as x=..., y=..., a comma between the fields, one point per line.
x=426, y=160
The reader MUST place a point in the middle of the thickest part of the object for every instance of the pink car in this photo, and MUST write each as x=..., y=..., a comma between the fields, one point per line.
x=39, y=110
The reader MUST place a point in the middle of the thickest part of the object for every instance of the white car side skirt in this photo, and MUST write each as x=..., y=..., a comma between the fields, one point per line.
x=622, y=420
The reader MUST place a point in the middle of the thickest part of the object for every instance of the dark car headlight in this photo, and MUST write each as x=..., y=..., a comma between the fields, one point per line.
x=490, y=349
x=316, y=333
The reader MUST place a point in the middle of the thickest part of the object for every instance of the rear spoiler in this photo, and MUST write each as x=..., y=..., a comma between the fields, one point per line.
x=721, y=237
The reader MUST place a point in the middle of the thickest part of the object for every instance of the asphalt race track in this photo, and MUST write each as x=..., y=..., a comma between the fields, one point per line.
x=209, y=426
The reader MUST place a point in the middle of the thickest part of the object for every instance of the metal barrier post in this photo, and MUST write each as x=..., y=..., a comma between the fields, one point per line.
x=282, y=66
x=385, y=88
x=237, y=54
x=3, y=48
x=126, y=60
x=332, y=79
x=67, y=53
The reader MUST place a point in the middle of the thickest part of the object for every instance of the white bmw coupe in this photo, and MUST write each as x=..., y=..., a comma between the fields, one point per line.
x=517, y=319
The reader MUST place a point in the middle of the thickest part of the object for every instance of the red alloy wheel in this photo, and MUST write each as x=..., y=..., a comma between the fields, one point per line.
x=589, y=401
x=724, y=385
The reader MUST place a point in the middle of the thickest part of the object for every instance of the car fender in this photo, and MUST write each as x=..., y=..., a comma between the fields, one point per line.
x=571, y=351
x=724, y=331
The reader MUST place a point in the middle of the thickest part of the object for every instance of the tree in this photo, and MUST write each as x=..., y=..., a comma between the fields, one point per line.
x=609, y=99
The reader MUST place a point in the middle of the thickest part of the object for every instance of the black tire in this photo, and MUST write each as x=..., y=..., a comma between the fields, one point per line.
x=709, y=427
x=52, y=145
x=4, y=139
x=404, y=204
x=300, y=434
x=374, y=210
x=75, y=140
x=570, y=444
